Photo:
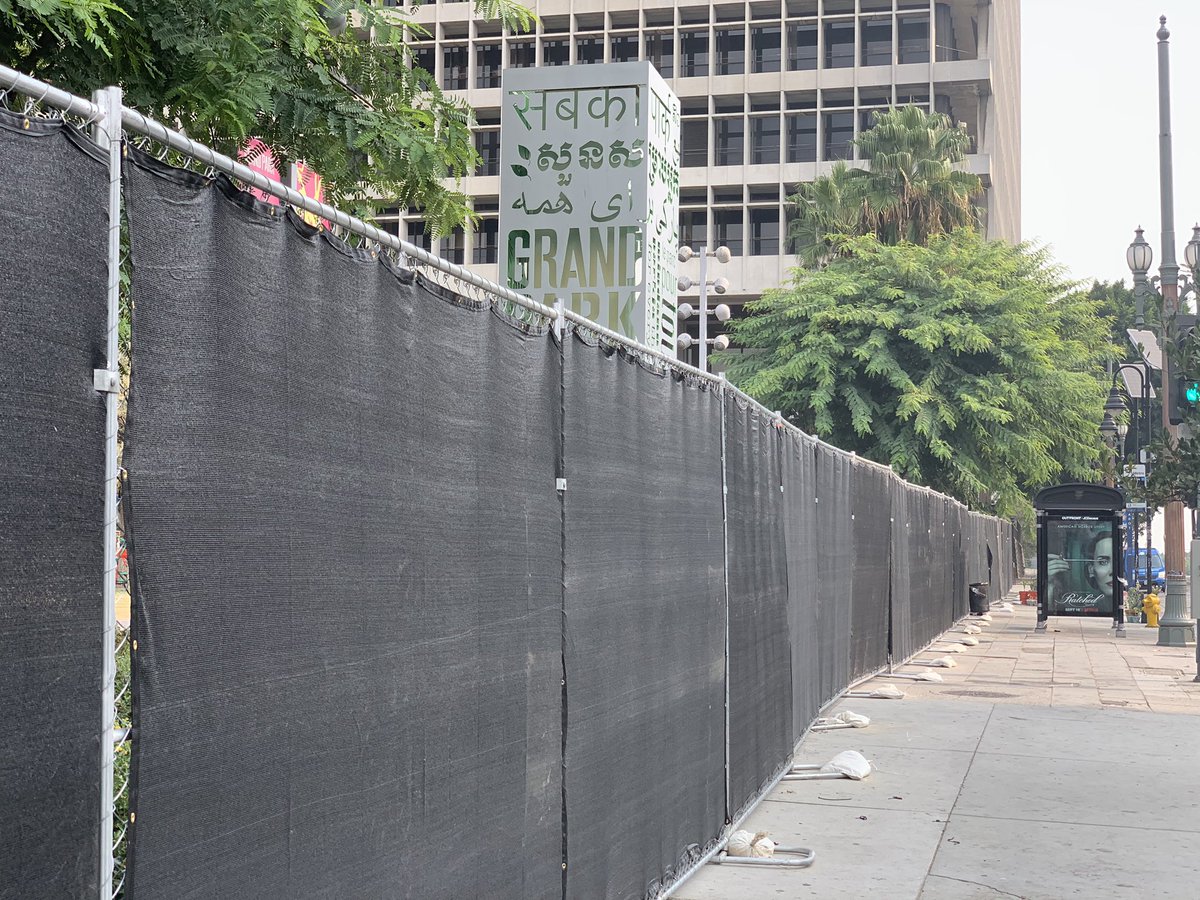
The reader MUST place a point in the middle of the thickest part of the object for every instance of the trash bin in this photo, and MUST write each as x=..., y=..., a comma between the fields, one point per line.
x=979, y=600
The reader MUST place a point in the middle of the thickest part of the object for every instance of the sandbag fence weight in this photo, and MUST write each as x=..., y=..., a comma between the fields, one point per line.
x=579, y=600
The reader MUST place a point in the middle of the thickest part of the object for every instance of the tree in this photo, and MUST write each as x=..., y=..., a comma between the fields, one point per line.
x=967, y=365
x=910, y=191
x=346, y=101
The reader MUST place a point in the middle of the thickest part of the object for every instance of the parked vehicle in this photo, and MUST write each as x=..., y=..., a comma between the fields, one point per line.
x=1137, y=573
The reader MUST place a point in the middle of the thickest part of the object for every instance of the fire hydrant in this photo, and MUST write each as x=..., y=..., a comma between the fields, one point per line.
x=1150, y=608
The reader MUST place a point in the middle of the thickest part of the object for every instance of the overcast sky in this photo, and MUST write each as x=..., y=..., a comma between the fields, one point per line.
x=1090, y=127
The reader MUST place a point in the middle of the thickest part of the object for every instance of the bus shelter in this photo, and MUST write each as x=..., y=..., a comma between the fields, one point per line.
x=1080, y=567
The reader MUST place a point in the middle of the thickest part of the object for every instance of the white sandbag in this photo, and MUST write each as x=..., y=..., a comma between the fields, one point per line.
x=972, y=629
x=952, y=648
x=851, y=718
x=969, y=641
x=942, y=662
x=850, y=763
x=1006, y=607
x=764, y=847
x=928, y=676
x=887, y=692
x=745, y=843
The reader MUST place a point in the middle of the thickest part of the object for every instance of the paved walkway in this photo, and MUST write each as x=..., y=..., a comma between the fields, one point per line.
x=1056, y=765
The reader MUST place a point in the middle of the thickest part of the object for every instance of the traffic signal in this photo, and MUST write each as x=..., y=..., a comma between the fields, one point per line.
x=1185, y=386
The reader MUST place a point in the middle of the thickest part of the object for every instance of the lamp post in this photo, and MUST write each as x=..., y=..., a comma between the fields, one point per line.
x=1108, y=433
x=722, y=312
x=1140, y=428
x=1175, y=629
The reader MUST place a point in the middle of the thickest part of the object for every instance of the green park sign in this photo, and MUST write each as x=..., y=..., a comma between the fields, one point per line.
x=589, y=194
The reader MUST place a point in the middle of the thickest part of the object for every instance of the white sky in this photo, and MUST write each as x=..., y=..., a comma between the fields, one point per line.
x=1090, y=128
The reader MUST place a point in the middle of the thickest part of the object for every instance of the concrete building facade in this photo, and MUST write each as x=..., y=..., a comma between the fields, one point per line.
x=772, y=94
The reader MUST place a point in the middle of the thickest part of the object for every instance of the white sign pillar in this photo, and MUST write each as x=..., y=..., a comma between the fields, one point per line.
x=589, y=194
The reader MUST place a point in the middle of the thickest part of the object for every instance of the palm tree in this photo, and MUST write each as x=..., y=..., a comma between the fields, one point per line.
x=911, y=190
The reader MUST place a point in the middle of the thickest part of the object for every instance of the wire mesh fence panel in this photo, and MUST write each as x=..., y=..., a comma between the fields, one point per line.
x=903, y=642
x=644, y=640
x=925, y=601
x=346, y=564
x=54, y=224
x=760, y=653
x=805, y=591
x=871, y=527
x=835, y=568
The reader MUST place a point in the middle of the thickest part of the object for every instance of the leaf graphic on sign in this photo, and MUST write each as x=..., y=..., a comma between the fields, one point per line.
x=521, y=171
x=523, y=151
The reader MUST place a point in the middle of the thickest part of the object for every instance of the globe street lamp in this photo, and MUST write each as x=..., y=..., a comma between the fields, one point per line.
x=722, y=312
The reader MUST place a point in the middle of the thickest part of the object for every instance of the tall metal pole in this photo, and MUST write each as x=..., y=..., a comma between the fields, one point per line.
x=1175, y=629
x=703, y=309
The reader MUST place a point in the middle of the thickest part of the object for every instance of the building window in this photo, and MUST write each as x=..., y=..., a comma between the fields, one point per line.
x=625, y=48
x=660, y=51
x=693, y=228
x=487, y=145
x=727, y=229
x=839, y=45
x=556, y=52
x=693, y=143
x=693, y=49
x=418, y=235
x=764, y=140
x=802, y=47
x=765, y=46
x=801, y=137
x=764, y=231
x=424, y=56
x=454, y=246
x=839, y=134
x=454, y=67
x=487, y=241
x=866, y=119
x=589, y=50
x=729, y=142
x=731, y=51
x=521, y=54
x=913, y=33
x=877, y=42
x=488, y=62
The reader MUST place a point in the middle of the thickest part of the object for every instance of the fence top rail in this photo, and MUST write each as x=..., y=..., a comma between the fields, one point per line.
x=41, y=92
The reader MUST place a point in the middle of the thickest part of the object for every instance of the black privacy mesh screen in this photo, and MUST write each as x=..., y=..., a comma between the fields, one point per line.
x=54, y=227
x=645, y=623
x=871, y=507
x=903, y=644
x=835, y=568
x=804, y=590
x=760, y=655
x=924, y=601
x=347, y=553
x=959, y=598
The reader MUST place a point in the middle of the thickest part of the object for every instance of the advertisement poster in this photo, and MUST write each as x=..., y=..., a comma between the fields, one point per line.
x=1081, y=570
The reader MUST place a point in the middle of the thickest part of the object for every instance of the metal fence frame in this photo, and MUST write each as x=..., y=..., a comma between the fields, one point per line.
x=110, y=120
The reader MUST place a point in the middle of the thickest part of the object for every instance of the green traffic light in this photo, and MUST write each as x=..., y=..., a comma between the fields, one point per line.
x=1193, y=392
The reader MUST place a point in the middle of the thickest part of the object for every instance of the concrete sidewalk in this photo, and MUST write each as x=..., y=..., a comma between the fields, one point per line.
x=1053, y=765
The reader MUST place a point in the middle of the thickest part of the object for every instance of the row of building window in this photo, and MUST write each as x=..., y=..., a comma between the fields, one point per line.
x=699, y=14
x=732, y=50
x=739, y=140
x=753, y=231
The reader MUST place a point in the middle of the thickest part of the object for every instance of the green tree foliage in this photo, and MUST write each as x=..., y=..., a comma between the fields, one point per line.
x=346, y=101
x=1118, y=304
x=911, y=190
x=967, y=365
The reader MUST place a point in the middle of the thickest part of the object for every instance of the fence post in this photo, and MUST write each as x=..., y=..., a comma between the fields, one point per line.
x=107, y=134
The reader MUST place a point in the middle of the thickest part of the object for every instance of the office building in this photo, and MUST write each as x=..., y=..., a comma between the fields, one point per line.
x=772, y=93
